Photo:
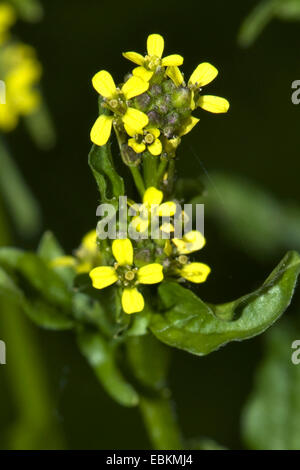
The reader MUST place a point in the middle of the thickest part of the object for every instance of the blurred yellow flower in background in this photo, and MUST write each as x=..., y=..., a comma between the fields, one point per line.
x=21, y=73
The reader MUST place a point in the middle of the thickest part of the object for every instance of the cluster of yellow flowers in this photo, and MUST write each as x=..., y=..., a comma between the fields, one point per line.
x=126, y=263
x=20, y=71
x=149, y=112
x=153, y=107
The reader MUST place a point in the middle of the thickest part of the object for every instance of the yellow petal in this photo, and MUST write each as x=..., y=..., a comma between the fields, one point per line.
x=134, y=57
x=167, y=209
x=103, y=276
x=195, y=272
x=153, y=196
x=142, y=73
x=191, y=123
x=123, y=251
x=213, y=104
x=193, y=105
x=138, y=148
x=134, y=86
x=168, y=248
x=135, y=119
x=154, y=131
x=63, y=261
x=155, y=45
x=173, y=60
x=175, y=75
x=203, y=74
x=191, y=241
x=132, y=132
x=104, y=84
x=155, y=148
x=167, y=228
x=84, y=267
x=150, y=274
x=140, y=224
x=89, y=241
x=132, y=300
x=101, y=130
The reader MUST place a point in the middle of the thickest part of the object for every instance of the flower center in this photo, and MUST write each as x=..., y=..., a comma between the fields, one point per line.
x=182, y=259
x=129, y=275
x=149, y=138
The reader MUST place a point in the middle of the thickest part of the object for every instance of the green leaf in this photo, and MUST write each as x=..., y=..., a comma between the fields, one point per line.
x=45, y=281
x=189, y=323
x=271, y=420
x=255, y=23
x=288, y=10
x=47, y=316
x=102, y=358
x=8, y=288
x=49, y=248
x=10, y=257
x=21, y=204
x=110, y=183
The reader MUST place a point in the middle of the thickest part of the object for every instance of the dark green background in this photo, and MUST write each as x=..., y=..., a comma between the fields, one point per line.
x=258, y=138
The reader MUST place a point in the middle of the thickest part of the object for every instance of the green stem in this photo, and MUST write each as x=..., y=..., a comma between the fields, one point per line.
x=150, y=169
x=35, y=427
x=138, y=180
x=161, y=171
x=161, y=423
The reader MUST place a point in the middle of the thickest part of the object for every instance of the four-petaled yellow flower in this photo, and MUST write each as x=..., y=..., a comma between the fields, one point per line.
x=128, y=275
x=22, y=72
x=86, y=256
x=116, y=100
x=149, y=63
x=204, y=74
x=147, y=138
x=152, y=205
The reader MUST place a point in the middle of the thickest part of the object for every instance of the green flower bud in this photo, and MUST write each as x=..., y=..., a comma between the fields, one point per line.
x=162, y=104
x=181, y=97
x=168, y=86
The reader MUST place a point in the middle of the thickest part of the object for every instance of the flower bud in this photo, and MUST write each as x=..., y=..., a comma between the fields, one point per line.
x=155, y=90
x=142, y=102
x=162, y=104
x=181, y=97
x=168, y=86
x=155, y=119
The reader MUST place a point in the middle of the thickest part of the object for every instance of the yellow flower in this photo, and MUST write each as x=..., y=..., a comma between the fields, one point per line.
x=153, y=59
x=7, y=18
x=152, y=204
x=86, y=256
x=129, y=276
x=190, y=242
x=22, y=72
x=116, y=100
x=204, y=74
x=195, y=272
x=148, y=138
